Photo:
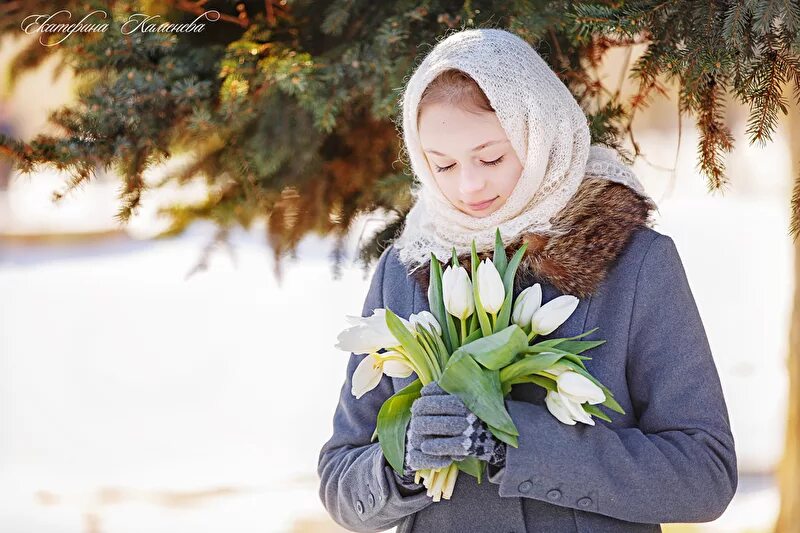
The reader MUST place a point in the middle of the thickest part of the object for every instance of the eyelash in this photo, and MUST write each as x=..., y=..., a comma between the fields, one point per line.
x=488, y=163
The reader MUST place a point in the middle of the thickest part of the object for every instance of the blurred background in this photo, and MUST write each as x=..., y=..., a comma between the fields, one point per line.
x=154, y=384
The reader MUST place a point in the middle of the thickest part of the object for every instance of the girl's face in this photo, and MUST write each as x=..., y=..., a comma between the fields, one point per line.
x=470, y=157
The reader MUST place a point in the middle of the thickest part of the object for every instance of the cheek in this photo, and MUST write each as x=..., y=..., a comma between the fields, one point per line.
x=445, y=186
x=510, y=181
x=450, y=188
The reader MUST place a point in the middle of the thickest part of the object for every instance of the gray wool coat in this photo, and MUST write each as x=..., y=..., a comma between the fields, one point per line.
x=670, y=458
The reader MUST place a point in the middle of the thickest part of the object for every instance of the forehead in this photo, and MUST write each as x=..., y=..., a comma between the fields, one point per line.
x=450, y=129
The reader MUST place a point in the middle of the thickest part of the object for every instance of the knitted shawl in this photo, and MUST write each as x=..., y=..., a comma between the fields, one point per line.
x=546, y=127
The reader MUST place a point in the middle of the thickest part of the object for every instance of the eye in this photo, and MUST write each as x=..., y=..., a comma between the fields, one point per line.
x=488, y=163
x=443, y=169
x=495, y=162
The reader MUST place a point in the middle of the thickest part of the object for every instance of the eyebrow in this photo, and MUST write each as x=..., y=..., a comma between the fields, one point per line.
x=479, y=147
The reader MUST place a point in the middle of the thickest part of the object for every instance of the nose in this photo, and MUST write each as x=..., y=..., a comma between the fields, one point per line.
x=470, y=183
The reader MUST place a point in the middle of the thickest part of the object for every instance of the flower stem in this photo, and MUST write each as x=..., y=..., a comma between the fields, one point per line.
x=422, y=373
x=450, y=481
x=433, y=361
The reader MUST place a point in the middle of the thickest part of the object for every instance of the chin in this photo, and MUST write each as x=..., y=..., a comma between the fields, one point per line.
x=479, y=214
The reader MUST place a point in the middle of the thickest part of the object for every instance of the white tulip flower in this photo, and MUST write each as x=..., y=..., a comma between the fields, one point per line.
x=457, y=292
x=527, y=303
x=579, y=388
x=552, y=314
x=369, y=334
x=369, y=371
x=425, y=318
x=566, y=410
x=490, y=286
x=557, y=408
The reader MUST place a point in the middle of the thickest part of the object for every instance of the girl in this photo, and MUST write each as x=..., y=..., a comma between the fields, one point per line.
x=497, y=141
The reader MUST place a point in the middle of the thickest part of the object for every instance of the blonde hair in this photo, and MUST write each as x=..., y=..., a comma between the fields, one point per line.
x=456, y=87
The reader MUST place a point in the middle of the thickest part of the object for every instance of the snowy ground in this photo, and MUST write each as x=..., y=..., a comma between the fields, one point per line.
x=137, y=399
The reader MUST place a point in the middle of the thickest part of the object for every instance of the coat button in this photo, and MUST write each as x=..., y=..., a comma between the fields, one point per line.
x=371, y=500
x=525, y=486
x=553, y=494
x=359, y=507
x=584, y=502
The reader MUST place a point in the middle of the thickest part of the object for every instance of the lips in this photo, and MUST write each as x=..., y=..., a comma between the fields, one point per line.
x=482, y=205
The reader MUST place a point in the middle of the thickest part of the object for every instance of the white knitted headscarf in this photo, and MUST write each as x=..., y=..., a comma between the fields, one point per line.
x=546, y=127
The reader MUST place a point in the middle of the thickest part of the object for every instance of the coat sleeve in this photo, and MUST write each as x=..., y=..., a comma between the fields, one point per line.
x=358, y=488
x=679, y=464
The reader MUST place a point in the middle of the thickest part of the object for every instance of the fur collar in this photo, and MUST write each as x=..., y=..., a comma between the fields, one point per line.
x=600, y=217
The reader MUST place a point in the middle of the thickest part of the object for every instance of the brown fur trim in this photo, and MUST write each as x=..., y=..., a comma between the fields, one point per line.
x=599, y=220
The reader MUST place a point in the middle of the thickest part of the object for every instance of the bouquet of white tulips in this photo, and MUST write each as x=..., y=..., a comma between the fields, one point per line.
x=477, y=344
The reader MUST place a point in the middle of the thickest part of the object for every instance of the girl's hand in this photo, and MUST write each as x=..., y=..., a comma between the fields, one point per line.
x=442, y=429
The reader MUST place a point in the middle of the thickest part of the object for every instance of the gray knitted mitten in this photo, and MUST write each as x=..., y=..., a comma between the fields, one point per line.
x=442, y=429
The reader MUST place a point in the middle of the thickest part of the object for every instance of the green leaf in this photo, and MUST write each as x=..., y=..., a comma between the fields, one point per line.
x=451, y=330
x=558, y=341
x=499, y=259
x=575, y=359
x=540, y=348
x=545, y=349
x=477, y=334
x=414, y=350
x=504, y=315
x=529, y=365
x=437, y=304
x=473, y=324
x=511, y=270
x=508, y=438
x=542, y=381
x=392, y=423
x=472, y=466
x=498, y=349
x=430, y=348
x=444, y=354
x=577, y=347
x=479, y=389
x=595, y=411
x=483, y=318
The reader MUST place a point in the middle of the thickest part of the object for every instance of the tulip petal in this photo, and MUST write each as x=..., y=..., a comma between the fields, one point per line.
x=576, y=411
x=457, y=292
x=351, y=340
x=367, y=375
x=580, y=388
x=554, y=313
x=397, y=369
x=527, y=303
x=557, y=408
x=490, y=286
x=426, y=319
x=353, y=320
